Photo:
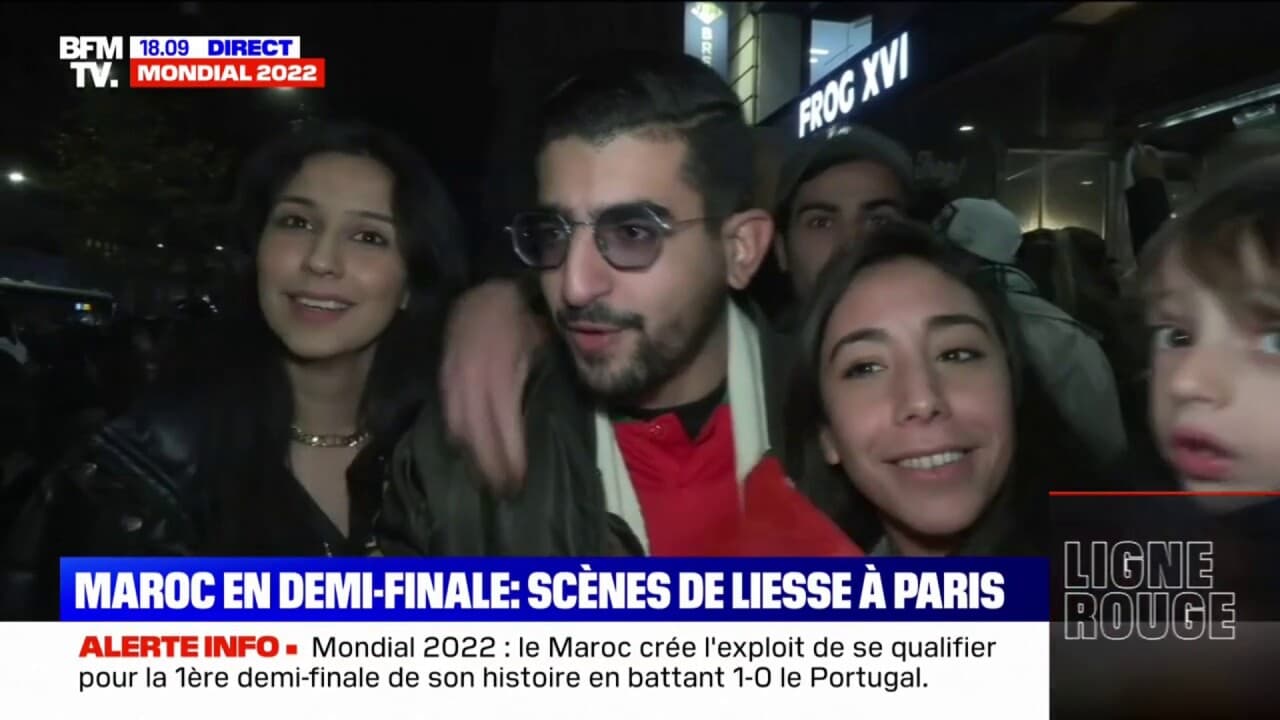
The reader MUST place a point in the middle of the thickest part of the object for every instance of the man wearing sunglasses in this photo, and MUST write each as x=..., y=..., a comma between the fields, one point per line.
x=654, y=424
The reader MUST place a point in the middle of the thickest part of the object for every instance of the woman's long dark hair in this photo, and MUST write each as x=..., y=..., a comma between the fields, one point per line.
x=1045, y=448
x=235, y=376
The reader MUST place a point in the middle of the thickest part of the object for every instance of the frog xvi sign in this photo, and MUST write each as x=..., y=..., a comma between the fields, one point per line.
x=862, y=80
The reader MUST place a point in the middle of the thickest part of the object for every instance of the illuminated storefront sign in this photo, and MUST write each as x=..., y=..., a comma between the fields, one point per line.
x=706, y=35
x=861, y=80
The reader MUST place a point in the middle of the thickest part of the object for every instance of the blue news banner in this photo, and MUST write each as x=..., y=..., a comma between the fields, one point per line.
x=952, y=590
x=753, y=638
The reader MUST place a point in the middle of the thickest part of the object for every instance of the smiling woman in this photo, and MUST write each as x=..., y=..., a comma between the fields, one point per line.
x=330, y=278
x=913, y=383
x=272, y=438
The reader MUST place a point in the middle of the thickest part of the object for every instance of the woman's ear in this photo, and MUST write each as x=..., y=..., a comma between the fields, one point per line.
x=829, y=452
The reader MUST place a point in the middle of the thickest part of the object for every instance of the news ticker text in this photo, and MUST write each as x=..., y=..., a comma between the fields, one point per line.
x=531, y=660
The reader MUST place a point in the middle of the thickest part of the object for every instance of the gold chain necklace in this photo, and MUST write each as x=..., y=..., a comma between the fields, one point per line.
x=327, y=441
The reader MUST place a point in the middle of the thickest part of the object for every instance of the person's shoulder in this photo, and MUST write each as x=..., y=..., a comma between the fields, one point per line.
x=1050, y=329
x=553, y=387
x=435, y=500
x=777, y=336
x=548, y=389
x=144, y=463
x=1030, y=305
x=125, y=490
x=164, y=427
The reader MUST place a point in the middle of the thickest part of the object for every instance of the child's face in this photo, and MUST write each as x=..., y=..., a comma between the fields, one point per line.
x=1215, y=394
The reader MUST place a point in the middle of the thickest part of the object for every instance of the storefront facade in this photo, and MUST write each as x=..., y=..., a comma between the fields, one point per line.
x=1034, y=104
x=807, y=75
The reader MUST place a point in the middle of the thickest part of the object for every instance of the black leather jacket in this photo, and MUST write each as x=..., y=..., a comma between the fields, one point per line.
x=434, y=502
x=134, y=490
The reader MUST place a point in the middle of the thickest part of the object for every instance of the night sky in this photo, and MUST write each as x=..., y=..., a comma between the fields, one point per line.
x=420, y=69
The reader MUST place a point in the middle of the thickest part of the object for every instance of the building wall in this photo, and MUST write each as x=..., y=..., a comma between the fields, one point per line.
x=1049, y=105
x=744, y=32
x=766, y=64
x=781, y=75
x=1165, y=53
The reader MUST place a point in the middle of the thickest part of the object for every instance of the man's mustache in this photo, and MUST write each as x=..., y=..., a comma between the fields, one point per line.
x=598, y=314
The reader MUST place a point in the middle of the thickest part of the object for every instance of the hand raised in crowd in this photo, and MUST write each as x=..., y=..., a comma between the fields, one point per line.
x=490, y=340
x=1147, y=164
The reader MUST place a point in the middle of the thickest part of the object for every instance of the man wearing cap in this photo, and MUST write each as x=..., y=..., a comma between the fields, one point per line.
x=831, y=193
x=1062, y=352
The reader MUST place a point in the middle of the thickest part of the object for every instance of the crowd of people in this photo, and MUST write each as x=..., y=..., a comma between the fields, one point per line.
x=931, y=378
x=61, y=377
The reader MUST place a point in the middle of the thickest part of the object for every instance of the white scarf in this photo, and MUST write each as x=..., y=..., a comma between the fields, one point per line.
x=746, y=406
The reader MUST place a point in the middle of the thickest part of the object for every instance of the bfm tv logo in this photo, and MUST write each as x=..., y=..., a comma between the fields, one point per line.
x=80, y=49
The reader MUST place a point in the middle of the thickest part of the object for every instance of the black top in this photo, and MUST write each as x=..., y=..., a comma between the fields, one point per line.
x=135, y=490
x=692, y=416
x=305, y=528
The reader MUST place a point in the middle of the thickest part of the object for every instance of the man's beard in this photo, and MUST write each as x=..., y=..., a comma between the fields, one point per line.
x=661, y=353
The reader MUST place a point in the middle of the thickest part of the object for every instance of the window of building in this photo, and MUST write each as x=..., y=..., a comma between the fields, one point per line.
x=1078, y=188
x=1020, y=188
x=832, y=42
x=1054, y=189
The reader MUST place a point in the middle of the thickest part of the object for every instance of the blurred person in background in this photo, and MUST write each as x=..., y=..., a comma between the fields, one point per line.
x=11, y=343
x=929, y=199
x=1114, y=315
x=832, y=193
x=1070, y=269
x=913, y=380
x=1096, y=281
x=1146, y=197
x=17, y=410
x=1068, y=359
x=1045, y=261
x=272, y=437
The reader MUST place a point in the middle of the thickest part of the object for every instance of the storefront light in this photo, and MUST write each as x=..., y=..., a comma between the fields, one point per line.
x=966, y=128
x=1248, y=98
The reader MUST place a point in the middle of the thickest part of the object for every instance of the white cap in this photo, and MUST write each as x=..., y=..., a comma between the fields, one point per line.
x=983, y=227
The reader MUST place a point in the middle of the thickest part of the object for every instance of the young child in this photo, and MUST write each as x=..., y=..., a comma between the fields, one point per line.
x=1212, y=284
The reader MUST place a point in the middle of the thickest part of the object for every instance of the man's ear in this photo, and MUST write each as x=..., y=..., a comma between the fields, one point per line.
x=747, y=236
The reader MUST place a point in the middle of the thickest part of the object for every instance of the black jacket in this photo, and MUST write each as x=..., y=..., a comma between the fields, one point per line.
x=135, y=490
x=435, y=503
x=1148, y=209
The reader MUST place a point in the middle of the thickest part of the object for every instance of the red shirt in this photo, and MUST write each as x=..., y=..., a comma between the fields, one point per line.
x=687, y=488
x=692, y=506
